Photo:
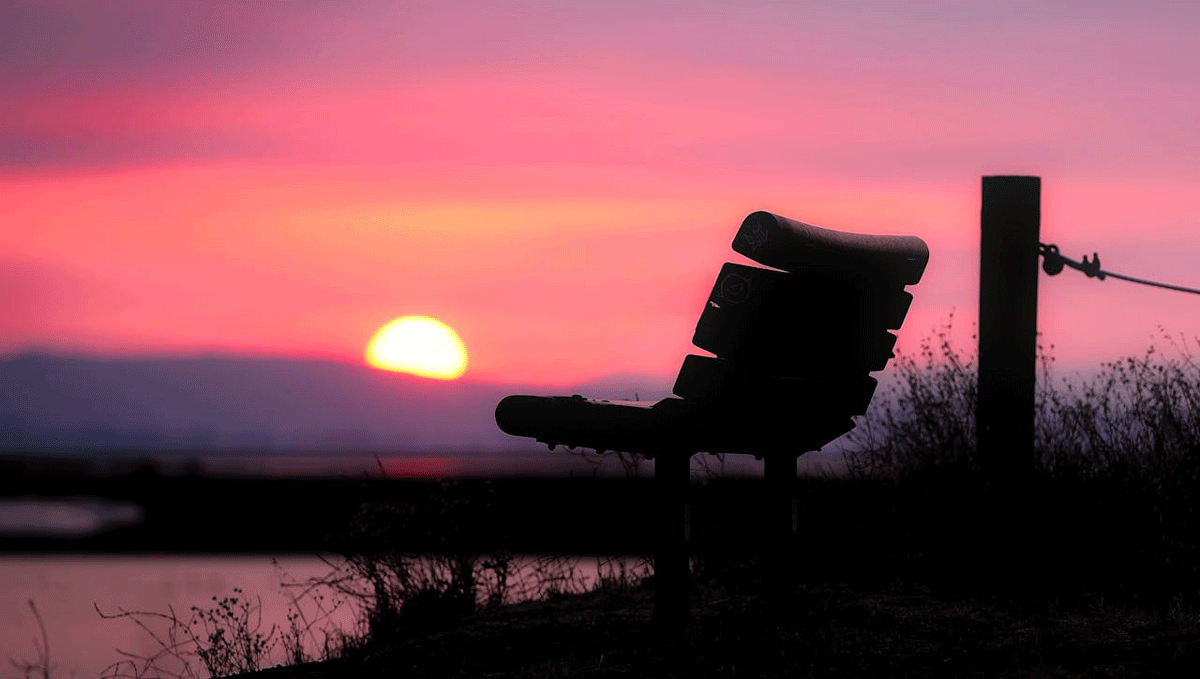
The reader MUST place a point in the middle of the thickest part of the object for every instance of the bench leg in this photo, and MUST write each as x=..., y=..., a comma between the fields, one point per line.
x=672, y=477
x=778, y=553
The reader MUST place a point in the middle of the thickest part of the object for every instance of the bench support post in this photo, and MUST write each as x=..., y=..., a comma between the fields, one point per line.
x=672, y=477
x=779, y=538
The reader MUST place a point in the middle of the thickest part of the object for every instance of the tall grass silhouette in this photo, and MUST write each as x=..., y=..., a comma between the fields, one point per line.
x=1139, y=412
x=1112, y=501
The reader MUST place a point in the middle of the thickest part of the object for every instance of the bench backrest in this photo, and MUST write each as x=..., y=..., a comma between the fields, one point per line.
x=794, y=344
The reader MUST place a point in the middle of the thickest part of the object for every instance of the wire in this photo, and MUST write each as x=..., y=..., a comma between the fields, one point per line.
x=1167, y=286
x=1053, y=263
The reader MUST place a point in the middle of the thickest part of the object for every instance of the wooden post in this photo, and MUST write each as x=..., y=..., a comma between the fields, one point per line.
x=1010, y=219
x=672, y=478
x=779, y=539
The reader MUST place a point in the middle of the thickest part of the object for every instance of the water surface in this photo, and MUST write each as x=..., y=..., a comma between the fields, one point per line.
x=67, y=590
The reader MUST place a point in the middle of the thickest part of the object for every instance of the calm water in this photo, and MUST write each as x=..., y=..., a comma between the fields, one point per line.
x=67, y=590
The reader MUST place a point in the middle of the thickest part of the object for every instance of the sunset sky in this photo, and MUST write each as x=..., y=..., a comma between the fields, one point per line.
x=560, y=181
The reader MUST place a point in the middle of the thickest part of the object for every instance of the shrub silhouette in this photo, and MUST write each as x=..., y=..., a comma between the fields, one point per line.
x=1112, y=501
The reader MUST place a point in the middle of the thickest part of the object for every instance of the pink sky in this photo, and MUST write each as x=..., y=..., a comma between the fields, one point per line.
x=560, y=182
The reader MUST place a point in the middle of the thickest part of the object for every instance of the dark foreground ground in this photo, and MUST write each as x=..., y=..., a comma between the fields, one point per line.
x=835, y=631
x=937, y=576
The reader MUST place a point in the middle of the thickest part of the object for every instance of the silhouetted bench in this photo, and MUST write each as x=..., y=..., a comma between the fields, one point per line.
x=792, y=346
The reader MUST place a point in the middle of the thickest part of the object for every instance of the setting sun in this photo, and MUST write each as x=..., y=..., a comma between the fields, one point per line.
x=419, y=345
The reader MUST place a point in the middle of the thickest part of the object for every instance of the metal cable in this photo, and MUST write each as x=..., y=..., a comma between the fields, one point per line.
x=1053, y=263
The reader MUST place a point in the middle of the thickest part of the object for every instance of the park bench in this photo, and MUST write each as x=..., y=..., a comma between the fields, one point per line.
x=792, y=348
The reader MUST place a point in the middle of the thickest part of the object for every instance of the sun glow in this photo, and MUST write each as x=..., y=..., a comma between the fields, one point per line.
x=419, y=345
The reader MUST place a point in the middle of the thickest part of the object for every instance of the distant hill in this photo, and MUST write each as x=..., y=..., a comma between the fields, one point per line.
x=212, y=403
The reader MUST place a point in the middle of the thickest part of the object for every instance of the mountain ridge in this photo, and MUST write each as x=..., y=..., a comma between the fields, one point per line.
x=222, y=402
